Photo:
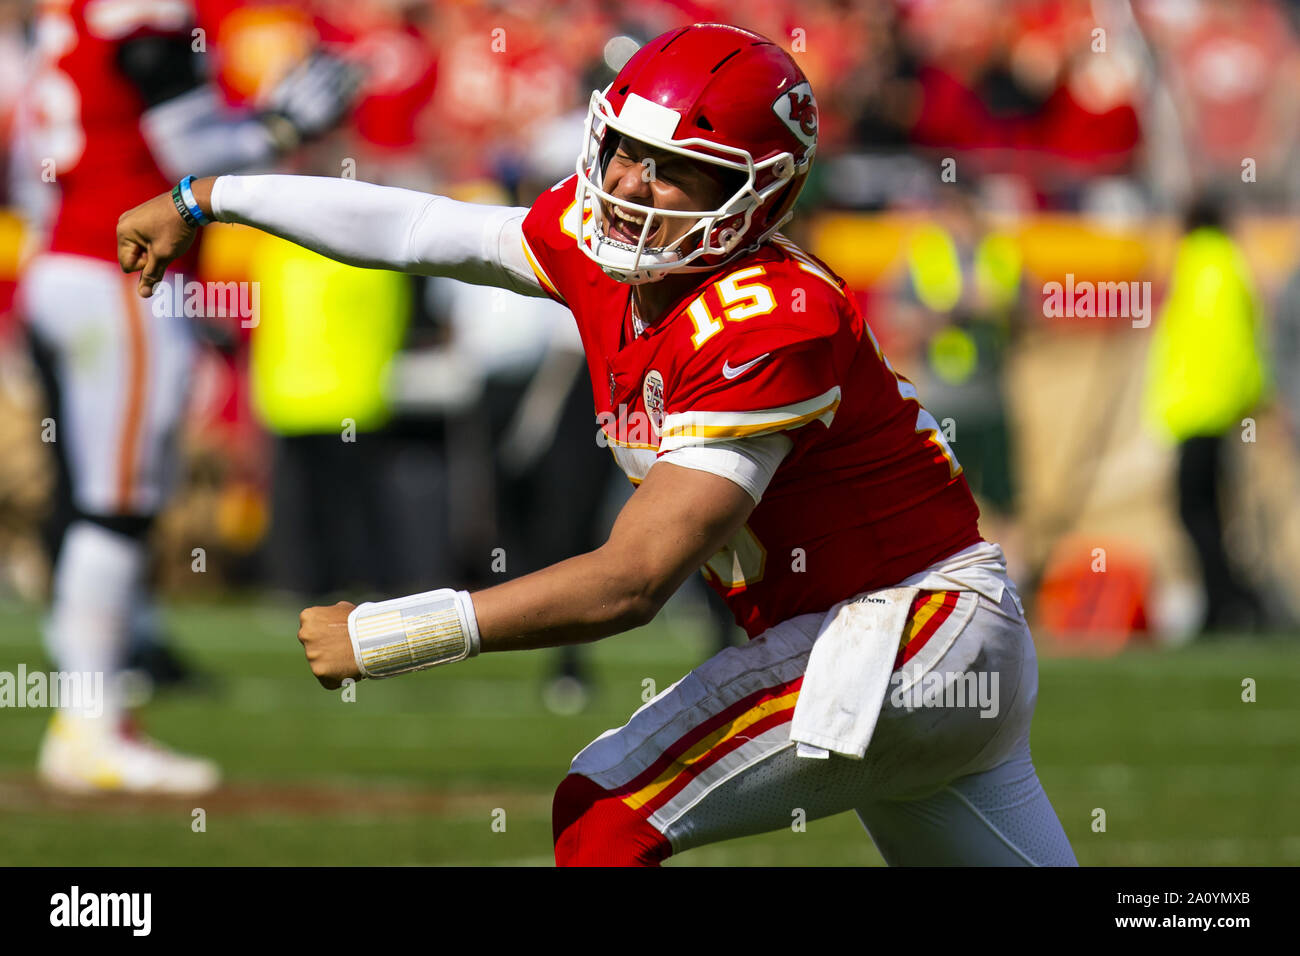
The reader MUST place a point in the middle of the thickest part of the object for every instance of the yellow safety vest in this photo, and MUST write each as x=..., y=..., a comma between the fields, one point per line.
x=1206, y=368
x=325, y=338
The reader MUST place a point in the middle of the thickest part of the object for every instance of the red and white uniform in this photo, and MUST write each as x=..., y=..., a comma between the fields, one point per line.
x=869, y=494
x=868, y=497
x=88, y=115
x=122, y=364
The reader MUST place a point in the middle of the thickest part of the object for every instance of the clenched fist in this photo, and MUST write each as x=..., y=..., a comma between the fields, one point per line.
x=323, y=633
x=152, y=234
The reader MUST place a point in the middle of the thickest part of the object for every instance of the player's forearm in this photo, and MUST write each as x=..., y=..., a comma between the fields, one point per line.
x=678, y=517
x=379, y=227
x=358, y=223
x=577, y=601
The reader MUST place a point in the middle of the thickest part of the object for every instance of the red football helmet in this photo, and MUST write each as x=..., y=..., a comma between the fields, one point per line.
x=716, y=94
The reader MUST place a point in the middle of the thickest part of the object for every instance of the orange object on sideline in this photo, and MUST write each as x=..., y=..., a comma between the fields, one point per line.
x=1094, y=595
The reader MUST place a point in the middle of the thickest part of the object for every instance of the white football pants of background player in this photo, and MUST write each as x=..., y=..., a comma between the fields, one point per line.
x=122, y=369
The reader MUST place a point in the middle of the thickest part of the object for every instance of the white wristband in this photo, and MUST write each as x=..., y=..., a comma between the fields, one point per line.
x=411, y=633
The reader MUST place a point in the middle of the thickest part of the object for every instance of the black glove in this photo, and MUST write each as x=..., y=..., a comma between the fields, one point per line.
x=311, y=98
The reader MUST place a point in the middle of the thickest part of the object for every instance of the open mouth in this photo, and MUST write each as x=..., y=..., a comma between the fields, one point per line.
x=625, y=227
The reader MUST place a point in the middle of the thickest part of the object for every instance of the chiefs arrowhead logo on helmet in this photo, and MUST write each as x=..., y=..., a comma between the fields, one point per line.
x=797, y=109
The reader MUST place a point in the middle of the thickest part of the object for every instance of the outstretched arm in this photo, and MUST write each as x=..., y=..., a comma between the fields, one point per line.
x=361, y=224
x=677, y=519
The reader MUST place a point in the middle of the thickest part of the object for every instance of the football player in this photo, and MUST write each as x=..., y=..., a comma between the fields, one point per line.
x=116, y=106
x=773, y=447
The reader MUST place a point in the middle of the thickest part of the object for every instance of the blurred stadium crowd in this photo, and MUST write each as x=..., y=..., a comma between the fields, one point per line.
x=972, y=151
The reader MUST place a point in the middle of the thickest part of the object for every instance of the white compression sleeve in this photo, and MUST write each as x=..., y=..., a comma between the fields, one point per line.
x=749, y=462
x=382, y=227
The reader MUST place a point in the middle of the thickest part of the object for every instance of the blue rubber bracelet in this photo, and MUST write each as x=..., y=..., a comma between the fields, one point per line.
x=191, y=203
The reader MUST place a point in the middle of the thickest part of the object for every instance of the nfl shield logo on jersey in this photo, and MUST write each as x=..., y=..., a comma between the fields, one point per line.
x=652, y=395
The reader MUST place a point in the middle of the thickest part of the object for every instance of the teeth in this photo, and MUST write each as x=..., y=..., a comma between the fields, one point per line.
x=626, y=217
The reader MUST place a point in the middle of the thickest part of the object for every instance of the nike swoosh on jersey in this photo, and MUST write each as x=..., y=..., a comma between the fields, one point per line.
x=729, y=372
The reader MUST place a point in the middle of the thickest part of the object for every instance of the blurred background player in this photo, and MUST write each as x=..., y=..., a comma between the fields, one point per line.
x=117, y=108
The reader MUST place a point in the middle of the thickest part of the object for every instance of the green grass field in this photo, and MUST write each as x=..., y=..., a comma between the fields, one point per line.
x=416, y=770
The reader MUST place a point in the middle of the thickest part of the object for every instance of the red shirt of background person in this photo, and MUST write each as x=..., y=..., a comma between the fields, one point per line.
x=87, y=116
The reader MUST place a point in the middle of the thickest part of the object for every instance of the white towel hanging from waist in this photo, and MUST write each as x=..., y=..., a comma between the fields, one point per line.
x=848, y=672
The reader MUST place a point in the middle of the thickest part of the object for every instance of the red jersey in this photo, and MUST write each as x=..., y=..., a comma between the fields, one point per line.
x=869, y=494
x=87, y=115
